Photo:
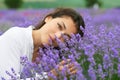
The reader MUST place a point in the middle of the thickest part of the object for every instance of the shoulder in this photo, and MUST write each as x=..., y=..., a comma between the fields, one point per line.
x=16, y=35
x=12, y=31
x=17, y=31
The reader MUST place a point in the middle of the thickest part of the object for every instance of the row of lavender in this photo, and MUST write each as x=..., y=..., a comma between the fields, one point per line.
x=24, y=18
x=97, y=52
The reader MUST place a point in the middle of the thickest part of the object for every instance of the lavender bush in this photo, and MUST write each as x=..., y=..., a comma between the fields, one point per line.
x=96, y=55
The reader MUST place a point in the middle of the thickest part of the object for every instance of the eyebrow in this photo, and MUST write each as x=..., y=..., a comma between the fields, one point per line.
x=64, y=25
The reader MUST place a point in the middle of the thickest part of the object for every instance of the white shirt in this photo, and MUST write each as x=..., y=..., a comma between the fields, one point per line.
x=14, y=43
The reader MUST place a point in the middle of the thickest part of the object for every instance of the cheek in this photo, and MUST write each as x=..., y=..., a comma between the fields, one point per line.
x=72, y=30
x=51, y=29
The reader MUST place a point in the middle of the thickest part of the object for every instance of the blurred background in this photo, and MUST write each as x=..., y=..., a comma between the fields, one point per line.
x=28, y=4
x=23, y=13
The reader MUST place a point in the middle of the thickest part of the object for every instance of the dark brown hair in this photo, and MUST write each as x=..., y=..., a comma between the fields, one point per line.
x=60, y=12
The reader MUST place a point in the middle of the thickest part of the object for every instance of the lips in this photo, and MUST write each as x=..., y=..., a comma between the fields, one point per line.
x=54, y=43
x=50, y=37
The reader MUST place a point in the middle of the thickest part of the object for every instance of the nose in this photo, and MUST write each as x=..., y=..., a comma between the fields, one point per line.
x=59, y=34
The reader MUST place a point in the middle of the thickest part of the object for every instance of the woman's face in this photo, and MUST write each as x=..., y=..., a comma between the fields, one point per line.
x=56, y=27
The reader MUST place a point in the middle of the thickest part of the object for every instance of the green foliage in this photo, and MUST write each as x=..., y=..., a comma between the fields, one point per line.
x=98, y=58
x=90, y=3
x=13, y=4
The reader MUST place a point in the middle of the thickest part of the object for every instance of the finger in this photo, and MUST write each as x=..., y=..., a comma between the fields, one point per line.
x=74, y=71
x=71, y=65
x=60, y=68
x=65, y=61
x=62, y=62
x=65, y=66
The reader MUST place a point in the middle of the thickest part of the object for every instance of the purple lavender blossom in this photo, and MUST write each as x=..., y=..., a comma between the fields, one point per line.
x=100, y=72
x=101, y=36
x=119, y=70
x=92, y=73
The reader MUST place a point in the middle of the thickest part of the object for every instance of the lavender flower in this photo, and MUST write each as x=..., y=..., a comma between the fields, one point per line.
x=91, y=73
x=97, y=52
x=119, y=70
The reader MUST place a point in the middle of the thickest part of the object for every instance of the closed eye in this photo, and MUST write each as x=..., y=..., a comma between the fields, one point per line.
x=67, y=35
x=59, y=26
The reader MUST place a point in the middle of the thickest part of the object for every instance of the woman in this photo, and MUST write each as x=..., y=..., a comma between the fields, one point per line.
x=18, y=42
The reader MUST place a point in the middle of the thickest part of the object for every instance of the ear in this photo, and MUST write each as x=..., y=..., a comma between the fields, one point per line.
x=47, y=19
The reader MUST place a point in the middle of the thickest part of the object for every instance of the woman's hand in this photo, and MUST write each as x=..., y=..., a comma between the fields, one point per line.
x=69, y=67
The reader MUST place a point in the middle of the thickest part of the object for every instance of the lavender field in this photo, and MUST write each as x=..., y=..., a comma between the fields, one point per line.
x=98, y=52
x=24, y=18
